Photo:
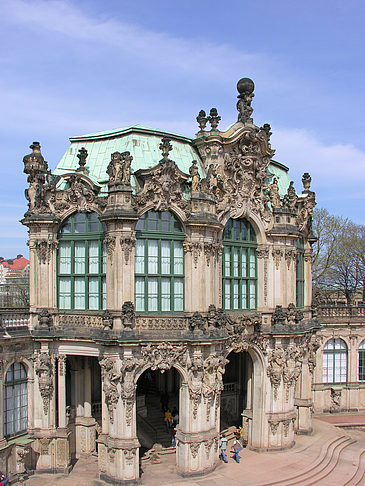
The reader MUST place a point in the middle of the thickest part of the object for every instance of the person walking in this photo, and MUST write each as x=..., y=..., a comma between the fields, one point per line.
x=223, y=447
x=173, y=436
x=236, y=448
x=168, y=419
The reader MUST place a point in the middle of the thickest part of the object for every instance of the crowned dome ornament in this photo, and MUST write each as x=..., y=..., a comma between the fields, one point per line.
x=245, y=88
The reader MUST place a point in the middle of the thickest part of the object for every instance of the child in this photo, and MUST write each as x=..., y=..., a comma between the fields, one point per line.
x=236, y=449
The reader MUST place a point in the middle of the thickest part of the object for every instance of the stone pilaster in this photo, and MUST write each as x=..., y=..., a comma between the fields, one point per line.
x=197, y=435
x=118, y=443
x=203, y=256
x=2, y=379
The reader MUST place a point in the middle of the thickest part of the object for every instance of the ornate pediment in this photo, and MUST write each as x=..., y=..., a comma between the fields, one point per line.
x=163, y=184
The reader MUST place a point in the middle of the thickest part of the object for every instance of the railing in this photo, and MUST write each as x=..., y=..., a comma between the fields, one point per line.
x=78, y=320
x=14, y=318
x=96, y=409
x=330, y=311
x=229, y=387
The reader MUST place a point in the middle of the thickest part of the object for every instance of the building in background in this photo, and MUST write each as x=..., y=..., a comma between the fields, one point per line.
x=164, y=272
x=14, y=282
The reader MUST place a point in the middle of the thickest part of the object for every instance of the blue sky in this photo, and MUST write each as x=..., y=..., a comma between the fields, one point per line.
x=73, y=67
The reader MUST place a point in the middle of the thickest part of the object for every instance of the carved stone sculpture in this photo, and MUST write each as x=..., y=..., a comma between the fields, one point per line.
x=44, y=319
x=195, y=177
x=128, y=316
x=290, y=199
x=274, y=194
x=111, y=379
x=82, y=156
x=202, y=120
x=44, y=370
x=245, y=87
x=214, y=118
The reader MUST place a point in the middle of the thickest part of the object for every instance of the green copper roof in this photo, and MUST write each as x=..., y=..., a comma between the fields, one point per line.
x=142, y=142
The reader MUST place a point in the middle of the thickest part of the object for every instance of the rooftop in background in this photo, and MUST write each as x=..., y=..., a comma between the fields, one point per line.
x=18, y=263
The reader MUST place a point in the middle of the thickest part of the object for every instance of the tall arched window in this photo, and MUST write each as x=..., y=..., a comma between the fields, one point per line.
x=239, y=265
x=300, y=273
x=335, y=361
x=159, y=263
x=15, y=400
x=362, y=361
x=81, y=263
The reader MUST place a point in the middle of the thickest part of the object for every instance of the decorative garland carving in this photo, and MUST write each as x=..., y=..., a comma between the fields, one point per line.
x=44, y=249
x=62, y=364
x=194, y=448
x=263, y=251
x=274, y=424
x=44, y=370
x=163, y=356
x=195, y=248
x=290, y=256
x=110, y=246
x=277, y=254
x=127, y=244
x=208, y=251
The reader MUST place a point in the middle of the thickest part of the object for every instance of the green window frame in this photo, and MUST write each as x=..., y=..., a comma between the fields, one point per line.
x=300, y=282
x=335, y=361
x=159, y=263
x=362, y=361
x=81, y=265
x=15, y=401
x=239, y=266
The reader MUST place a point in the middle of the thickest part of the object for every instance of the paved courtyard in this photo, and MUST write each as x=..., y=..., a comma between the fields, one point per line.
x=331, y=456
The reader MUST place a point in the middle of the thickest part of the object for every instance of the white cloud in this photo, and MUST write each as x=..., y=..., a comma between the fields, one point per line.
x=337, y=170
x=160, y=48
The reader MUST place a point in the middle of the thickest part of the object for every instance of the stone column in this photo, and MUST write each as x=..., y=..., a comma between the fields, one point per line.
x=62, y=442
x=203, y=252
x=43, y=263
x=303, y=400
x=197, y=435
x=118, y=447
x=120, y=219
x=44, y=411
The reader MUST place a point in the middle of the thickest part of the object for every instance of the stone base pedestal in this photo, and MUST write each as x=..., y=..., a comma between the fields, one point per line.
x=196, y=453
x=304, y=416
x=85, y=435
x=118, y=460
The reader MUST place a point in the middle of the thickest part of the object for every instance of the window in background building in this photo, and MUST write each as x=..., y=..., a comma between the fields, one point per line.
x=362, y=361
x=335, y=361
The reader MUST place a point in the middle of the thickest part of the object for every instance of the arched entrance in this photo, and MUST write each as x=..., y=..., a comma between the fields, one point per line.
x=242, y=399
x=157, y=392
x=236, y=386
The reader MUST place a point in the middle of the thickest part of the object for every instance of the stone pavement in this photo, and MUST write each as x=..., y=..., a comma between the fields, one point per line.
x=331, y=456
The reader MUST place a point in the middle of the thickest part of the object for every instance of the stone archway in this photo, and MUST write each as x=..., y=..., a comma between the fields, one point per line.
x=156, y=392
x=244, y=390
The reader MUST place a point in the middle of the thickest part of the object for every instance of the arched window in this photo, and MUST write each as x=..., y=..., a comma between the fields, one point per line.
x=300, y=273
x=15, y=400
x=335, y=361
x=239, y=265
x=159, y=263
x=81, y=263
x=362, y=361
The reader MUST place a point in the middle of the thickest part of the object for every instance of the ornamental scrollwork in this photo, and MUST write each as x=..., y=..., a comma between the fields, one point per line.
x=44, y=249
x=109, y=241
x=162, y=185
x=127, y=244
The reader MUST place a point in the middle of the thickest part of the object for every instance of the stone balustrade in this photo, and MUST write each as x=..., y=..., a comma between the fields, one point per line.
x=340, y=311
x=12, y=319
